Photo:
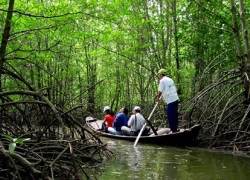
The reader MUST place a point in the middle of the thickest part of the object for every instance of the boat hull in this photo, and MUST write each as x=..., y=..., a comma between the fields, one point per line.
x=186, y=138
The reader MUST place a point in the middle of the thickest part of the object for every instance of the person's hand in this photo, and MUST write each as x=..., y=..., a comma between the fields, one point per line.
x=156, y=98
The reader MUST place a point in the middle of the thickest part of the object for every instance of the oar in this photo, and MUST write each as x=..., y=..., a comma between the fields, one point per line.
x=148, y=120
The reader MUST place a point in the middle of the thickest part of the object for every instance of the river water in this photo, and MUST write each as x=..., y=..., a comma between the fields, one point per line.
x=150, y=162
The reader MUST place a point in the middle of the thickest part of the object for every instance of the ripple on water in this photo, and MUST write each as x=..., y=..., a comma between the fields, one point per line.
x=150, y=162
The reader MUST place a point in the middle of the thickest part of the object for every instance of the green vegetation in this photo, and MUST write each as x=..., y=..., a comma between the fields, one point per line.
x=61, y=57
x=14, y=142
x=108, y=52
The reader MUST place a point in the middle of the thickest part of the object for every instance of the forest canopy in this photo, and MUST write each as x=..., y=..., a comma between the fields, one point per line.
x=109, y=51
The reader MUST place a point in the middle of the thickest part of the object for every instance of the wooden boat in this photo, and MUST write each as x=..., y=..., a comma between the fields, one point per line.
x=185, y=137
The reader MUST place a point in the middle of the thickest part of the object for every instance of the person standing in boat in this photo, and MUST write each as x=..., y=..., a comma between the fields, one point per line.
x=121, y=119
x=108, y=119
x=168, y=90
x=135, y=123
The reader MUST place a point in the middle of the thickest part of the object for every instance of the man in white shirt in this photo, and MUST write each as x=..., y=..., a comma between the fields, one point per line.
x=135, y=123
x=168, y=90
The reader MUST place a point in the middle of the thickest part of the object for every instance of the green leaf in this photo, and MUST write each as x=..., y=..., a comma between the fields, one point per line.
x=21, y=140
x=9, y=137
x=12, y=147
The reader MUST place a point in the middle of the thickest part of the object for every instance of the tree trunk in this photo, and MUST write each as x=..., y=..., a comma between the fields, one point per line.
x=247, y=50
x=199, y=54
x=236, y=30
x=5, y=37
x=91, y=80
x=176, y=44
x=244, y=31
x=237, y=35
x=91, y=76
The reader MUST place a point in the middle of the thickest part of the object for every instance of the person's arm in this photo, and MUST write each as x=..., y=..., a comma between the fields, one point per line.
x=143, y=119
x=160, y=90
x=130, y=121
x=159, y=95
x=104, y=120
x=116, y=121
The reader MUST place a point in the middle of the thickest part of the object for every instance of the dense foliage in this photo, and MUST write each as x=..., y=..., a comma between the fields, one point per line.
x=108, y=52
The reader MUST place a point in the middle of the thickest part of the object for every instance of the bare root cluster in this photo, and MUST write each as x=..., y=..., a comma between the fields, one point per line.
x=60, y=147
x=222, y=109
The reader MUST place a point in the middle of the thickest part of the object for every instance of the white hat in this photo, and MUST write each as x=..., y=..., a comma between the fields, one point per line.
x=136, y=108
x=106, y=108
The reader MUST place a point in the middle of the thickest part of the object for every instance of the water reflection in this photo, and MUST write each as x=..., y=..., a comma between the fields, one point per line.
x=148, y=162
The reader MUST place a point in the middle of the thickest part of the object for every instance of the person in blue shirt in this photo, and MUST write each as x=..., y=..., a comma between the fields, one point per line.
x=120, y=120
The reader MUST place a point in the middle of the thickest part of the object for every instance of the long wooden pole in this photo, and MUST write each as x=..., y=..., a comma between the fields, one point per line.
x=148, y=121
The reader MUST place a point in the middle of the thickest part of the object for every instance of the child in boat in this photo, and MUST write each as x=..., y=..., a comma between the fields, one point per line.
x=108, y=119
x=121, y=119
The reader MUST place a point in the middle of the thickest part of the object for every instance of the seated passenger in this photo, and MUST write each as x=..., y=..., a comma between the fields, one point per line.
x=108, y=119
x=121, y=119
x=135, y=123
